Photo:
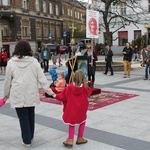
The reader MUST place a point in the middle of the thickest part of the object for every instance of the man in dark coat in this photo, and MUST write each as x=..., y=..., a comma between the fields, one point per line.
x=108, y=59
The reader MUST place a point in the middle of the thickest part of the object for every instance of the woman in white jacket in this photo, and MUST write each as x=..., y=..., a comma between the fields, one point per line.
x=21, y=87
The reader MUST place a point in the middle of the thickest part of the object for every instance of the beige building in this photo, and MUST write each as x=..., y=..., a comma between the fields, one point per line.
x=38, y=21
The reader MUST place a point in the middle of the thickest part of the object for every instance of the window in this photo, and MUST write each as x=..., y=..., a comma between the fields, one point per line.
x=44, y=7
x=78, y=15
x=63, y=11
x=24, y=28
x=38, y=29
x=4, y=2
x=123, y=37
x=50, y=8
x=57, y=11
x=52, y=28
x=137, y=34
x=123, y=8
x=37, y=5
x=45, y=29
x=68, y=12
x=71, y=12
x=24, y=4
x=58, y=30
x=4, y=28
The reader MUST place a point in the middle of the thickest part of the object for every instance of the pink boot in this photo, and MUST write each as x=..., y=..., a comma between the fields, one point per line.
x=2, y=102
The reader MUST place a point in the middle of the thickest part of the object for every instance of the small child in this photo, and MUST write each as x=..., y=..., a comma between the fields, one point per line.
x=54, y=58
x=53, y=74
x=60, y=84
x=59, y=60
x=75, y=101
x=2, y=102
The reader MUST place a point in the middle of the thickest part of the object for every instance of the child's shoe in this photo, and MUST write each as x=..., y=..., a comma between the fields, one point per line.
x=68, y=142
x=81, y=140
x=2, y=102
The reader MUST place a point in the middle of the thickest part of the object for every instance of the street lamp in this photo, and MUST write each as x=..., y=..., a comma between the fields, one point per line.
x=0, y=35
x=0, y=32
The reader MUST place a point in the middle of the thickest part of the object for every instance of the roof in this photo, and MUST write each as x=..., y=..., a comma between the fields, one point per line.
x=75, y=2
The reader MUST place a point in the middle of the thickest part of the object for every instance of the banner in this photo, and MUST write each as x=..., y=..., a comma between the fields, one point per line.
x=92, y=23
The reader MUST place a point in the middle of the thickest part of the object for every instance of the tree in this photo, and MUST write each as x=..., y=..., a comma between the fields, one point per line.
x=117, y=14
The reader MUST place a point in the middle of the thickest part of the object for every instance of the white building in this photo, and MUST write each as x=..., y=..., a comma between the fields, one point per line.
x=128, y=33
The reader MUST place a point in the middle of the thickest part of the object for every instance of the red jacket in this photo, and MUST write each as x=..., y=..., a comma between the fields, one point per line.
x=5, y=56
x=75, y=100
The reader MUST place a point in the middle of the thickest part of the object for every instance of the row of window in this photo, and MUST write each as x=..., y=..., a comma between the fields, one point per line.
x=123, y=36
x=47, y=7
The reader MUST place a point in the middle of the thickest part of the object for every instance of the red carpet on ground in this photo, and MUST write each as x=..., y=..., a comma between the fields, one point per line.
x=103, y=99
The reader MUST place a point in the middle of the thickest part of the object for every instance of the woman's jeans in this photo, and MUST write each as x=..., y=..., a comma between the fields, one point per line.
x=147, y=71
x=26, y=117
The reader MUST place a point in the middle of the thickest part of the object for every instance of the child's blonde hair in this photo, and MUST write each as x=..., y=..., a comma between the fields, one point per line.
x=79, y=78
x=61, y=74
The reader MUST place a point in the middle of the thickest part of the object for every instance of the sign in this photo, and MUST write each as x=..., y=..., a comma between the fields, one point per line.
x=64, y=33
x=50, y=35
x=92, y=23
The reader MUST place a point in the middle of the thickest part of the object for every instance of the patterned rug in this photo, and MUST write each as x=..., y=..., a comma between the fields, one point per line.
x=95, y=101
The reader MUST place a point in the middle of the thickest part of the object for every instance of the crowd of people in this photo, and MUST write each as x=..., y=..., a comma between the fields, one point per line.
x=24, y=73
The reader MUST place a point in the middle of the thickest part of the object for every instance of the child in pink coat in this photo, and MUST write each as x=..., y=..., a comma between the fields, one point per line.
x=75, y=101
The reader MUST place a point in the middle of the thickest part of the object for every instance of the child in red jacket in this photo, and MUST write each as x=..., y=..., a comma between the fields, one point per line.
x=3, y=59
x=75, y=101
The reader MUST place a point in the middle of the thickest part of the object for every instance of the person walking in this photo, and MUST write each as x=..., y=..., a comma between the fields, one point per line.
x=70, y=50
x=3, y=59
x=108, y=59
x=136, y=53
x=144, y=53
x=91, y=59
x=21, y=87
x=127, y=58
x=75, y=102
x=59, y=59
x=147, y=60
x=45, y=55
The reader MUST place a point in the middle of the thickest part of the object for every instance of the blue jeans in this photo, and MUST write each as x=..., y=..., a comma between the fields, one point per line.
x=26, y=117
x=147, y=70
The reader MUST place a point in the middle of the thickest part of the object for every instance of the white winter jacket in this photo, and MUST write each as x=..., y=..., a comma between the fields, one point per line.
x=22, y=80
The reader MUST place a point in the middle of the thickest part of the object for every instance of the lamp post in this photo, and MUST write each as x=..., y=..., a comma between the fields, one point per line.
x=0, y=36
x=0, y=32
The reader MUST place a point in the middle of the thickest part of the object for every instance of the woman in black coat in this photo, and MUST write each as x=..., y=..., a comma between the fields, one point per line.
x=91, y=58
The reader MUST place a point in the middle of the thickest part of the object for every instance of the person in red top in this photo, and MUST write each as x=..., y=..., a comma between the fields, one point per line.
x=60, y=84
x=3, y=59
x=75, y=102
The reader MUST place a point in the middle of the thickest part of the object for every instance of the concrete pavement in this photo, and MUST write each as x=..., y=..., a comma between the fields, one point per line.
x=121, y=126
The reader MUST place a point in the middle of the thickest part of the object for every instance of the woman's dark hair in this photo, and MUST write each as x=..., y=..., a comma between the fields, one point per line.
x=22, y=49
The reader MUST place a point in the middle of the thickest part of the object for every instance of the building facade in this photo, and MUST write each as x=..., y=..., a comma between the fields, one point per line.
x=73, y=13
x=130, y=32
x=38, y=21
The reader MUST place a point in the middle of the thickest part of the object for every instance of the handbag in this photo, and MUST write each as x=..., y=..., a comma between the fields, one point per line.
x=2, y=102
